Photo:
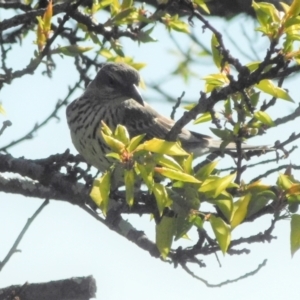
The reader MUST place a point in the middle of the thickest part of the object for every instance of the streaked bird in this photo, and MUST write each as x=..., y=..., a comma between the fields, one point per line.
x=113, y=97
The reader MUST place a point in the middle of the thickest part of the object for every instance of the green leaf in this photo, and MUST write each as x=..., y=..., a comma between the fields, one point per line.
x=176, y=175
x=163, y=147
x=284, y=182
x=294, y=9
x=217, y=57
x=270, y=88
x=197, y=221
x=254, y=98
x=129, y=179
x=164, y=235
x=135, y=141
x=100, y=191
x=122, y=15
x=240, y=209
x=295, y=234
x=201, y=3
x=106, y=130
x=113, y=143
x=206, y=170
x=188, y=164
x=216, y=186
x=114, y=155
x=223, y=134
x=183, y=225
x=101, y=4
x=147, y=175
x=225, y=205
x=126, y=4
x=72, y=50
x=47, y=17
x=206, y=117
x=144, y=36
x=253, y=65
x=167, y=161
x=161, y=196
x=115, y=7
x=266, y=13
x=221, y=231
x=215, y=80
x=173, y=22
x=122, y=134
x=263, y=117
x=106, y=53
x=2, y=110
x=259, y=201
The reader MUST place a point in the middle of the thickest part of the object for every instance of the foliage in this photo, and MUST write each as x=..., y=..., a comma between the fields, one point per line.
x=174, y=190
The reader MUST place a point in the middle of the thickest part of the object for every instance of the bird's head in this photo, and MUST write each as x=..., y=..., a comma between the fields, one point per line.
x=117, y=81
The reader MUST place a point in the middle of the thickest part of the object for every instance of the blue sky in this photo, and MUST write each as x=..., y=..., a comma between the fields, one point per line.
x=64, y=241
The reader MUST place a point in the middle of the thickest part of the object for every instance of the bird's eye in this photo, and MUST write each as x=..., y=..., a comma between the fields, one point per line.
x=111, y=82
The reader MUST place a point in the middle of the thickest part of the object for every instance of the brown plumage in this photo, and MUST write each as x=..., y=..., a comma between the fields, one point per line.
x=113, y=97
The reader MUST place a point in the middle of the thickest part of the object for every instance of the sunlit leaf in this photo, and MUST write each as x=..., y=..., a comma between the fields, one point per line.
x=206, y=170
x=135, y=141
x=253, y=65
x=206, y=117
x=202, y=4
x=173, y=22
x=113, y=143
x=100, y=191
x=41, y=39
x=167, y=161
x=263, y=117
x=188, y=164
x=147, y=175
x=294, y=9
x=161, y=196
x=217, y=186
x=214, y=81
x=225, y=205
x=284, y=182
x=295, y=234
x=126, y=4
x=129, y=179
x=221, y=231
x=270, y=88
x=47, y=18
x=164, y=235
x=122, y=134
x=72, y=50
x=122, y=15
x=176, y=175
x=162, y=147
x=217, y=57
x=240, y=209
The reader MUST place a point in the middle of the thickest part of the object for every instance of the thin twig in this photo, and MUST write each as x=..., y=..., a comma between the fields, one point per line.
x=227, y=281
x=13, y=249
x=177, y=104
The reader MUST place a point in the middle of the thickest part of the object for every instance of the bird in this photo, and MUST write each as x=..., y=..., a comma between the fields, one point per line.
x=113, y=97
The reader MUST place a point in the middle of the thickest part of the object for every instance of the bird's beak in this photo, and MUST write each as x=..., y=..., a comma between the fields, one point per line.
x=135, y=94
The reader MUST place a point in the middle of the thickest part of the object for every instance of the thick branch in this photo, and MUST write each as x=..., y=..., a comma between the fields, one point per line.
x=76, y=288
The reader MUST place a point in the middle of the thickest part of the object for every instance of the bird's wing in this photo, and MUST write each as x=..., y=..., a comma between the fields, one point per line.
x=144, y=119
